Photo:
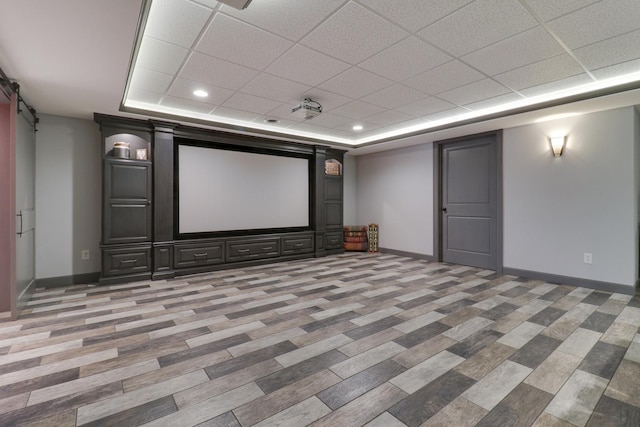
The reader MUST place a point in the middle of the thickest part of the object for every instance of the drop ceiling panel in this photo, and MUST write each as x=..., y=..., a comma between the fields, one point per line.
x=291, y=19
x=547, y=71
x=494, y=102
x=445, y=77
x=366, y=127
x=597, y=22
x=328, y=100
x=160, y=56
x=149, y=80
x=353, y=34
x=389, y=117
x=145, y=96
x=232, y=114
x=307, y=66
x=253, y=104
x=186, y=104
x=177, y=21
x=240, y=43
x=356, y=83
x=474, y=92
x=425, y=107
x=617, y=70
x=477, y=25
x=184, y=88
x=525, y=48
x=550, y=9
x=227, y=75
x=558, y=85
x=405, y=59
x=328, y=120
x=283, y=112
x=394, y=96
x=415, y=14
x=357, y=110
x=611, y=51
x=276, y=88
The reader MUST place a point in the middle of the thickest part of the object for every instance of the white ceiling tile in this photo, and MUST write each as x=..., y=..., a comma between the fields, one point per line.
x=308, y=126
x=292, y=19
x=473, y=92
x=186, y=105
x=150, y=80
x=454, y=113
x=426, y=106
x=276, y=88
x=356, y=83
x=617, y=70
x=241, y=43
x=353, y=34
x=253, y=104
x=549, y=70
x=366, y=126
x=389, y=117
x=478, y=25
x=394, y=96
x=597, y=22
x=328, y=120
x=525, y=48
x=610, y=52
x=230, y=113
x=211, y=4
x=306, y=66
x=160, y=56
x=328, y=100
x=357, y=110
x=494, y=102
x=283, y=112
x=550, y=9
x=176, y=21
x=409, y=123
x=277, y=127
x=183, y=88
x=405, y=59
x=227, y=75
x=557, y=85
x=415, y=14
x=146, y=96
x=445, y=77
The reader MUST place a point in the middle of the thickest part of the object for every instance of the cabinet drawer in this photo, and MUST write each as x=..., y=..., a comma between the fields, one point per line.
x=249, y=250
x=126, y=261
x=297, y=245
x=333, y=240
x=201, y=254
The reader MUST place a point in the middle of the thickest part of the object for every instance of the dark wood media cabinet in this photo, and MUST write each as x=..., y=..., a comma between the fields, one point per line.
x=140, y=238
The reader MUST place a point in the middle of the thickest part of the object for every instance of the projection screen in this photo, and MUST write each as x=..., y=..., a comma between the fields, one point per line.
x=224, y=190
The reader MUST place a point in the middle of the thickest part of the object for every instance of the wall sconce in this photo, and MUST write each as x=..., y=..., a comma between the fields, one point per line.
x=557, y=145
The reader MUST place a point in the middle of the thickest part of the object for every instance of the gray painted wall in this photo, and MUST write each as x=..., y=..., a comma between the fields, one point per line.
x=349, y=190
x=68, y=191
x=555, y=210
x=395, y=190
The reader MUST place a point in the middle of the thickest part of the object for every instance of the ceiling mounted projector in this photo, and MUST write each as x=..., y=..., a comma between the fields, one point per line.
x=238, y=4
x=307, y=110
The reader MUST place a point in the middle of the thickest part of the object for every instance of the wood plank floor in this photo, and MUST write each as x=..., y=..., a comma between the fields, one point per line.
x=351, y=340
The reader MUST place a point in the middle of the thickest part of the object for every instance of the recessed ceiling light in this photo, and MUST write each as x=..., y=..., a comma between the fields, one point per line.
x=357, y=127
x=272, y=121
x=200, y=93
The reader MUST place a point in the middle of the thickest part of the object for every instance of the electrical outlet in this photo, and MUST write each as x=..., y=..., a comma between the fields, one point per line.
x=588, y=258
x=85, y=254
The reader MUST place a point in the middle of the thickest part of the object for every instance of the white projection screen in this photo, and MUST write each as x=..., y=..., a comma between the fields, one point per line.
x=224, y=190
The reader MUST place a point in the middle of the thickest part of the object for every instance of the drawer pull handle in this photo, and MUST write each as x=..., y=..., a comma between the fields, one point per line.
x=268, y=248
x=243, y=251
x=200, y=255
x=299, y=245
x=128, y=261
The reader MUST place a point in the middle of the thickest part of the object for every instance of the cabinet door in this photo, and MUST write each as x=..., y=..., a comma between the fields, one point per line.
x=127, y=202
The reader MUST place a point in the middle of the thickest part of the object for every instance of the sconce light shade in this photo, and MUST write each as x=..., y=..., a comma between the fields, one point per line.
x=557, y=145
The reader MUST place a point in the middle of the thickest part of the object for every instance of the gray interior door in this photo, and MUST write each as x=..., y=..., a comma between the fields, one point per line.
x=469, y=202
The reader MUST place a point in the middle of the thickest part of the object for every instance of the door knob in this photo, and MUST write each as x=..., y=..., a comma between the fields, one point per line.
x=444, y=210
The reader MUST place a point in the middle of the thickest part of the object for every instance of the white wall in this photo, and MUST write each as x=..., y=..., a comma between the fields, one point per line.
x=395, y=190
x=557, y=209
x=68, y=190
x=349, y=190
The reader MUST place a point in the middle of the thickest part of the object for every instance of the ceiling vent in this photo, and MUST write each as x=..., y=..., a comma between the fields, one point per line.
x=238, y=4
x=308, y=109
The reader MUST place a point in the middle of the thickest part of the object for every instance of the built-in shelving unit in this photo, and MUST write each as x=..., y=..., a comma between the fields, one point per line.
x=140, y=236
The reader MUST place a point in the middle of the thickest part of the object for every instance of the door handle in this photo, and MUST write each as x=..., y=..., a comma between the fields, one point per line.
x=444, y=210
x=19, y=233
